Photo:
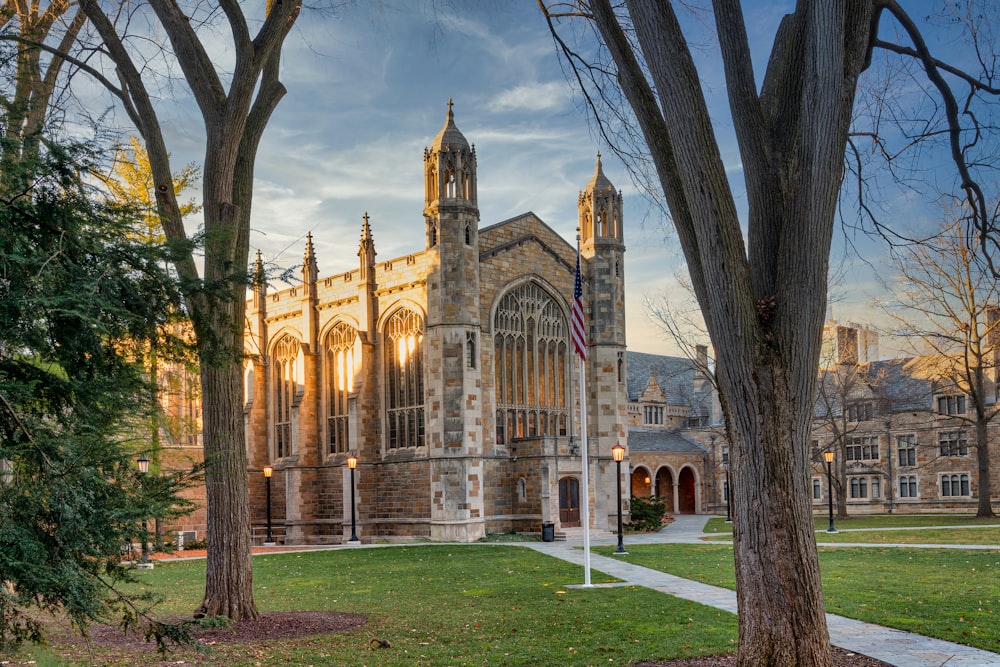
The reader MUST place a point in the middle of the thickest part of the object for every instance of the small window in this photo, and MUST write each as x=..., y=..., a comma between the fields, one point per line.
x=953, y=443
x=955, y=485
x=951, y=405
x=859, y=487
x=863, y=448
x=653, y=414
x=470, y=349
x=908, y=486
x=861, y=411
x=817, y=488
x=906, y=448
x=468, y=234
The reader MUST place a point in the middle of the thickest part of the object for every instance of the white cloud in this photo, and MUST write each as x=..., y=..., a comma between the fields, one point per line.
x=532, y=97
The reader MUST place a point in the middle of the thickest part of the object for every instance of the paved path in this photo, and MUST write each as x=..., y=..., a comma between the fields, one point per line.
x=892, y=646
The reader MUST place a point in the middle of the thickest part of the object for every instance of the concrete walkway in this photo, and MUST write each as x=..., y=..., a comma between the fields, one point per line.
x=892, y=646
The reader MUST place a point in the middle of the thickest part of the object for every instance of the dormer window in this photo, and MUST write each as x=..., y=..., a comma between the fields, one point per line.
x=860, y=411
x=951, y=405
x=652, y=414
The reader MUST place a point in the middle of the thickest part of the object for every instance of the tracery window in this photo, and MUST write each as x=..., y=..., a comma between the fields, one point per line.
x=339, y=364
x=284, y=384
x=530, y=339
x=404, y=380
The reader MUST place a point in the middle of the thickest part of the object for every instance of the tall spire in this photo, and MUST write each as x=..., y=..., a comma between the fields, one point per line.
x=366, y=249
x=310, y=271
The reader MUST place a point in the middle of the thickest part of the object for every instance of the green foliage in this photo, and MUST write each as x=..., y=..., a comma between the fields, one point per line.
x=646, y=513
x=78, y=299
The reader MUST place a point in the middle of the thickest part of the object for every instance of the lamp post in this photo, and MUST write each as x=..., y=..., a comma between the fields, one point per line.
x=352, y=463
x=828, y=457
x=268, y=471
x=144, y=564
x=729, y=494
x=618, y=453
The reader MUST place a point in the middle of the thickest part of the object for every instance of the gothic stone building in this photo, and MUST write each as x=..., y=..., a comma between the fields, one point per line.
x=449, y=372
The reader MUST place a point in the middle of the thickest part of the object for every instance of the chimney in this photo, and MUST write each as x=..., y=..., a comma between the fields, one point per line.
x=847, y=345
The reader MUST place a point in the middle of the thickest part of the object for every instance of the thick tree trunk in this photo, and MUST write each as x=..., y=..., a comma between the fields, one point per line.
x=782, y=618
x=229, y=571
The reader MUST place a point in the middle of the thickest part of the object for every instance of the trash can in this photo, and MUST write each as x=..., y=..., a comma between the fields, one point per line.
x=548, y=531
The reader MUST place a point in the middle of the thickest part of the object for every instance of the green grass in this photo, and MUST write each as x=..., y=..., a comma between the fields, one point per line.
x=450, y=605
x=719, y=525
x=949, y=594
x=865, y=529
x=985, y=535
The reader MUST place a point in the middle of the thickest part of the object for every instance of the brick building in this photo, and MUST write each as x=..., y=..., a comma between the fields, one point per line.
x=448, y=372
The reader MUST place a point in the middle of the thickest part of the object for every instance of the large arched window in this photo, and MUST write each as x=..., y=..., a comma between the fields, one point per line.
x=404, y=380
x=283, y=386
x=530, y=346
x=339, y=363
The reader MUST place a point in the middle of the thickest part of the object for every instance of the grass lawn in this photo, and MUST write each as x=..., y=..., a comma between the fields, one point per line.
x=949, y=594
x=866, y=529
x=446, y=605
x=719, y=525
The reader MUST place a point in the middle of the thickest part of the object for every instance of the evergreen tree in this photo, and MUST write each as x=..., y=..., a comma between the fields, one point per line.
x=79, y=299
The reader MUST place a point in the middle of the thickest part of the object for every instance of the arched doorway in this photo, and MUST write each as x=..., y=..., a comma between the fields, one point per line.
x=569, y=502
x=642, y=485
x=665, y=487
x=686, y=503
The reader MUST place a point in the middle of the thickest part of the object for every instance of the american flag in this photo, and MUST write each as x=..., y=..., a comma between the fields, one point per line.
x=579, y=333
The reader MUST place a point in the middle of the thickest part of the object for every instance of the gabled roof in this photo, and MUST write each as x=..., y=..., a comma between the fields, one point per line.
x=895, y=384
x=675, y=376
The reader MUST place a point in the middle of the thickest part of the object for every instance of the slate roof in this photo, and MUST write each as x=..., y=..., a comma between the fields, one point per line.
x=893, y=383
x=664, y=442
x=675, y=375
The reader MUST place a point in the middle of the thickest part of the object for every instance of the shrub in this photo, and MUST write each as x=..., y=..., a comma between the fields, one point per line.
x=647, y=513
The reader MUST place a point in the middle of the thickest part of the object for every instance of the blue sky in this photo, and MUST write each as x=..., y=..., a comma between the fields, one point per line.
x=367, y=91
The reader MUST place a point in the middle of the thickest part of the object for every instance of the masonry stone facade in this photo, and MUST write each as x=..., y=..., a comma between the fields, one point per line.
x=448, y=372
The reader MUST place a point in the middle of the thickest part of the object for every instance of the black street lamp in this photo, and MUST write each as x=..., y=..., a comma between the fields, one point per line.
x=352, y=463
x=144, y=563
x=729, y=494
x=618, y=453
x=268, y=471
x=828, y=457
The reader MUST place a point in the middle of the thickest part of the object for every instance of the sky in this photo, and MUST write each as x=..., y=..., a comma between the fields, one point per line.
x=368, y=88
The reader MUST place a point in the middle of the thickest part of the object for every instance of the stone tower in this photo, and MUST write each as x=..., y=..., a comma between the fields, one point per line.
x=453, y=404
x=603, y=249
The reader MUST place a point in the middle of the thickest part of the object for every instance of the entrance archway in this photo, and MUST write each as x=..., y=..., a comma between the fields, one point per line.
x=642, y=485
x=665, y=487
x=569, y=502
x=686, y=501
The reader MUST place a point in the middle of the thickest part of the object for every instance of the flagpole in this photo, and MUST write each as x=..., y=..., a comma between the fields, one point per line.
x=579, y=335
x=585, y=502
